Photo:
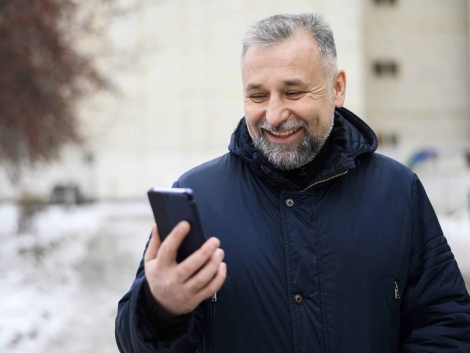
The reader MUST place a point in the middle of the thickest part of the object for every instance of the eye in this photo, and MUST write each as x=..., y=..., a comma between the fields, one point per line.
x=293, y=93
x=258, y=97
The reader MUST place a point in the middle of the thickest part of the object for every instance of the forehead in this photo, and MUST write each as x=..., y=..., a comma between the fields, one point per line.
x=296, y=56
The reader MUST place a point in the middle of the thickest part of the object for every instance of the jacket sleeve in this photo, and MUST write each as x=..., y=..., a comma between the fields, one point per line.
x=142, y=326
x=436, y=308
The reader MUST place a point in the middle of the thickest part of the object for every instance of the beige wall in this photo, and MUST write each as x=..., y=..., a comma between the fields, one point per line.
x=429, y=100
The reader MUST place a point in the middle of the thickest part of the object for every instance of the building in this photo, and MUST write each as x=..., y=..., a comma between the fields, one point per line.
x=177, y=65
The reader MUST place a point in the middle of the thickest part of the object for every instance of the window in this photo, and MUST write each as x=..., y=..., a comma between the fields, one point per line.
x=385, y=68
x=385, y=2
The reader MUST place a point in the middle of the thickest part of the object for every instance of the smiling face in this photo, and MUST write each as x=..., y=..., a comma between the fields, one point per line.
x=289, y=100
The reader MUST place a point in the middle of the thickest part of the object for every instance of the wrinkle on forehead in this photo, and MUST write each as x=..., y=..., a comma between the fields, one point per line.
x=277, y=60
x=292, y=73
x=274, y=63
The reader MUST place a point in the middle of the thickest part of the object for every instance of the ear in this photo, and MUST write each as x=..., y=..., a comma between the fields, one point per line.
x=339, y=85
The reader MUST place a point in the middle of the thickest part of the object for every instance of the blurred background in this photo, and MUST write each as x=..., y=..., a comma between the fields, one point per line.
x=101, y=100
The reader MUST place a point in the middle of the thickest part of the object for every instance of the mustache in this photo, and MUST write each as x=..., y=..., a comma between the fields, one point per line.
x=286, y=125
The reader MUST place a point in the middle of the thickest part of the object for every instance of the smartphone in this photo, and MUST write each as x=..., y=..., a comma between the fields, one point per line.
x=171, y=206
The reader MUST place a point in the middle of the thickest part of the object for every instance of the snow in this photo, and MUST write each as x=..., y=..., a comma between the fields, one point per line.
x=61, y=281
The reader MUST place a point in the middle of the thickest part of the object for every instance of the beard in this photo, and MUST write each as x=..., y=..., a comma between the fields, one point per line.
x=287, y=156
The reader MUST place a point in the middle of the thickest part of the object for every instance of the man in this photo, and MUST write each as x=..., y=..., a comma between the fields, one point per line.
x=328, y=246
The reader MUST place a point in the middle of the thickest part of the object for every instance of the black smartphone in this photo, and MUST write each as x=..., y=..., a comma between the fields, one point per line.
x=171, y=206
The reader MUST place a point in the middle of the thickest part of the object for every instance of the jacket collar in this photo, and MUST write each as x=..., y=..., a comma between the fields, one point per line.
x=350, y=138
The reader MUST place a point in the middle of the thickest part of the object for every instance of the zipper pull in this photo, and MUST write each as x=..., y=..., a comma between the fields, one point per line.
x=214, y=296
x=397, y=292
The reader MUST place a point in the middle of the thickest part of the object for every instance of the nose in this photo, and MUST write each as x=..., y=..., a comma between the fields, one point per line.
x=276, y=112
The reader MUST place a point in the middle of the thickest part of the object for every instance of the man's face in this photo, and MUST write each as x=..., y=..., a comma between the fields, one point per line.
x=289, y=101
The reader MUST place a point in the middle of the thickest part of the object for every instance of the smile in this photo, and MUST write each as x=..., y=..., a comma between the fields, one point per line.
x=284, y=133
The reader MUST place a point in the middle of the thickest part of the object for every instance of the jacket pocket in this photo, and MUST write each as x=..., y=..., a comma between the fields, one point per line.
x=214, y=322
x=389, y=334
x=396, y=326
x=225, y=321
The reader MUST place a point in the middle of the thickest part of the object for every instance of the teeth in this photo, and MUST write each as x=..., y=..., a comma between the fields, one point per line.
x=284, y=133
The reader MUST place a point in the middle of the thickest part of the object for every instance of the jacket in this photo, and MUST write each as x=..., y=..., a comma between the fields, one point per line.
x=355, y=262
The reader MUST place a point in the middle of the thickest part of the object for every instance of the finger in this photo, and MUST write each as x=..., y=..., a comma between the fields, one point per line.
x=215, y=284
x=207, y=273
x=195, y=261
x=154, y=244
x=169, y=247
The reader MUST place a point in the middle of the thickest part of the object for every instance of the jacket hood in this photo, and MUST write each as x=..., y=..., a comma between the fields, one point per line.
x=350, y=138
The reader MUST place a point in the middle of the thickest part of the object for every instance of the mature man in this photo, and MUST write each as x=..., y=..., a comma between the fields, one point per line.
x=329, y=247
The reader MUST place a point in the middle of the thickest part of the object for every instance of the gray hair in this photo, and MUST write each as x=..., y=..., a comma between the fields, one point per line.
x=277, y=28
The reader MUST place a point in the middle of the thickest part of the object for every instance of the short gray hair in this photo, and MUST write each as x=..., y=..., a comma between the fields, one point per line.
x=277, y=28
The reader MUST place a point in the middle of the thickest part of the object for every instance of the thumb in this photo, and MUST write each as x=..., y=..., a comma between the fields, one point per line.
x=154, y=245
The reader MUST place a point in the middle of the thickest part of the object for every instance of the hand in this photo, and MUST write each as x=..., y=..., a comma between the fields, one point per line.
x=180, y=287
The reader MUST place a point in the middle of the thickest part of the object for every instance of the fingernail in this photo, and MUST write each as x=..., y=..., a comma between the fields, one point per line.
x=214, y=242
x=183, y=226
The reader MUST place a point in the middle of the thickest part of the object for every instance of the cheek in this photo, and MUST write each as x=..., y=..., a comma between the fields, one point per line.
x=252, y=126
x=321, y=124
x=318, y=118
x=253, y=115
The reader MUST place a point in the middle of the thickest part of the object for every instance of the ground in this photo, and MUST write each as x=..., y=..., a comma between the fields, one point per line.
x=61, y=281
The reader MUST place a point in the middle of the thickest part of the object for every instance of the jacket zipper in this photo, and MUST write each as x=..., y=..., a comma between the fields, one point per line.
x=325, y=180
x=214, y=340
x=395, y=327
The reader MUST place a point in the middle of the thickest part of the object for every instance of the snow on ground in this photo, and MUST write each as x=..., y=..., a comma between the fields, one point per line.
x=61, y=282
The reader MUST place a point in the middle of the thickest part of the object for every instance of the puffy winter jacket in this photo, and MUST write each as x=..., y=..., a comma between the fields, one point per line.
x=355, y=262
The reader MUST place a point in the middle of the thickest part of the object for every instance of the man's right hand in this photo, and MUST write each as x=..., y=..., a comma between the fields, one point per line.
x=180, y=287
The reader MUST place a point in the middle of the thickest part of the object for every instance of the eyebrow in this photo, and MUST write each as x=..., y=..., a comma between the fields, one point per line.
x=295, y=82
x=288, y=83
x=253, y=86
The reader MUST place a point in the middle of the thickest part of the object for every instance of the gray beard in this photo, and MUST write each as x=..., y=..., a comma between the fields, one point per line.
x=287, y=156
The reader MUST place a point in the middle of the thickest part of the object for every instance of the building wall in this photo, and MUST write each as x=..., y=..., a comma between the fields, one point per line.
x=427, y=100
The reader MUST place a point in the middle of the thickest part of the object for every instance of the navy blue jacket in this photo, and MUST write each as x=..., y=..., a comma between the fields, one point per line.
x=355, y=262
